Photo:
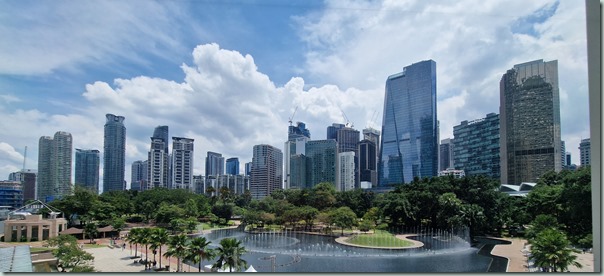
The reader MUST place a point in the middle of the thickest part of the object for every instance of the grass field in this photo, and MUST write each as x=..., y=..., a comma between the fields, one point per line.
x=379, y=239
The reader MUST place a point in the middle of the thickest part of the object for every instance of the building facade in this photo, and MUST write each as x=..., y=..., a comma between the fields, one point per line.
x=267, y=171
x=157, y=165
x=27, y=178
x=297, y=131
x=114, y=153
x=232, y=166
x=332, y=131
x=445, y=158
x=295, y=146
x=367, y=166
x=54, y=166
x=87, y=164
x=11, y=194
x=248, y=168
x=585, y=152
x=476, y=147
x=214, y=164
x=139, y=174
x=347, y=171
x=409, y=145
x=322, y=162
x=529, y=122
x=182, y=163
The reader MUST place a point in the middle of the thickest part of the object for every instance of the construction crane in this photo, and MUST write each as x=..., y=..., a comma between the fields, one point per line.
x=346, y=119
x=292, y=117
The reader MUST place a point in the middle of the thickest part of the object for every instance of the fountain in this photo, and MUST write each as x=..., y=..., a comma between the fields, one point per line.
x=443, y=251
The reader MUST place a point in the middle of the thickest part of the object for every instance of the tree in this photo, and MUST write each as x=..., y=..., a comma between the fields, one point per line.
x=134, y=237
x=309, y=214
x=118, y=224
x=343, y=217
x=177, y=247
x=396, y=207
x=90, y=230
x=372, y=215
x=229, y=254
x=200, y=251
x=223, y=211
x=69, y=254
x=166, y=213
x=550, y=250
x=159, y=237
x=145, y=238
x=190, y=208
x=540, y=223
x=323, y=196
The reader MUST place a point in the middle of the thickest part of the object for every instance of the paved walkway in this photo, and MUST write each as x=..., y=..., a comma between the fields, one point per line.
x=515, y=253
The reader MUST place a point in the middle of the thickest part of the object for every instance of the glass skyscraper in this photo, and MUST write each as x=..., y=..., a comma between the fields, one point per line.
x=214, y=164
x=114, y=153
x=87, y=164
x=530, y=122
x=322, y=162
x=232, y=166
x=54, y=166
x=409, y=146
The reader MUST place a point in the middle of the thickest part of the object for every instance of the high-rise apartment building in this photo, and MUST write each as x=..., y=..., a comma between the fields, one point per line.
x=409, y=146
x=476, y=146
x=163, y=132
x=232, y=166
x=267, y=171
x=568, y=159
x=54, y=166
x=182, y=163
x=322, y=162
x=530, y=122
x=445, y=154
x=248, y=168
x=585, y=152
x=295, y=146
x=139, y=174
x=563, y=154
x=347, y=171
x=87, y=163
x=214, y=164
x=114, y=153
x=157, y=165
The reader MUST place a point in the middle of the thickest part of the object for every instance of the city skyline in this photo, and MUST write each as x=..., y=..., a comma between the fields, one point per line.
x=322, y=58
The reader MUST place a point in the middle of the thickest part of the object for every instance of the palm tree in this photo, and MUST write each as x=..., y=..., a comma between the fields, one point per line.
x=159, y=238
x=200, y=251
x=133, y=237
x=145, y=239
x=229, y=254
x=177, y=247
x=550, y=250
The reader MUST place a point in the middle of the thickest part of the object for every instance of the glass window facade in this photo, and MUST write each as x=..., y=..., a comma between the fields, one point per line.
x=114, y=153
x=476, y=146
x=409, y=146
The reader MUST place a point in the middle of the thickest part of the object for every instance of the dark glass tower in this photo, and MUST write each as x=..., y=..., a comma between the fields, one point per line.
x=87, y=164
x=232, y=166
x=409, y=146
x=297, y=131
x=530, y=122
x=114, y=153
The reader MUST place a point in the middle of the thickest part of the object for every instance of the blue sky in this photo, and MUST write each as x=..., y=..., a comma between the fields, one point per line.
x=230, y=73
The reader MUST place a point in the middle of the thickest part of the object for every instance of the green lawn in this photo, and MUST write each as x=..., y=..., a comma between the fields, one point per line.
x=379, y=239
x=39, y=249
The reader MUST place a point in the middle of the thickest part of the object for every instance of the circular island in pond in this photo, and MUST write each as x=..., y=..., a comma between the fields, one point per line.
x=380, y=240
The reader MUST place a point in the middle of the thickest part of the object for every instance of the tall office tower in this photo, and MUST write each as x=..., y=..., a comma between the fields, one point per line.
x=157, y=165
x=182, y=163
x=114, y=153
x=297, y=131
x=372, y=135
x=348, y=140
x=267, y=171
x=530, y=122
x=45, y=184
x=332, y=131
x=347, y=171
x=139, y=175
x=232, y=166
x=54, y=166
x=322, y=162
x=563, y=154
x=297, y=176
x=568, y=159
x=409, y=146
x=476, y=146
x=164, y=133
x=87, y=163
x=367, y=166
x=27, y=178
x=214, y=164
x=248, y=168
x=445, y=154
x=293, y=147
x=585, y=152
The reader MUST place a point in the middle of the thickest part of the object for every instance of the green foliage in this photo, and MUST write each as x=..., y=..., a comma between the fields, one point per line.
x=223, y=210
x=90, y=230
x=344, y=218
x=69, y=254
x=177, y=247
x=200, y=251
x=541, y=223
x=166, y=213
x=190, y=208
x=358, y=200
x=550, y=250
x=229, y=255
x=379, y=239
x=323, y=196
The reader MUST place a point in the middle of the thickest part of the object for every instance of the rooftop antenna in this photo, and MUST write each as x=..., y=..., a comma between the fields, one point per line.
x=24, y=157
x=292, y=117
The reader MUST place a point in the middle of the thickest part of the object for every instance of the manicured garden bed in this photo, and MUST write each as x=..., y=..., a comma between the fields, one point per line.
x=378, y=239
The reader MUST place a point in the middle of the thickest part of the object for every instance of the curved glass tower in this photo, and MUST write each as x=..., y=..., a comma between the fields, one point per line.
x=409, y=146
x=114, y=153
